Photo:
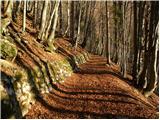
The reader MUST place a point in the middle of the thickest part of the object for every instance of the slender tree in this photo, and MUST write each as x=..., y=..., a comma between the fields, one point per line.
x=124, y=57
x=72, y=23
x=43, y=19
x=68, y=19
x=24, y=16
x=60, y=17
x=152, y=51
x=107, y=37
x=52, y=35
x=115, y=32
x=134, y=72
x=88, y=21
x=35, y=14
x=79, y=25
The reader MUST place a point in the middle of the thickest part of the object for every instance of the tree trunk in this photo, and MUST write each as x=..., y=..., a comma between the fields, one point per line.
x=35, y=14
x=68, y=19
x=6, y=16
x=8, y=6
x=134, y=71
x=142, y=82
x=152, y=82
x=79, y=26
x=50, y=21
x=140, y=23
x=60, y=17
x=115, y=32
x=43, y=19
x=153, y=47
x=24, y=16
x=52, y=35
x=85, y=24
x=88, y=21
x=16, y=10
x=72, y=23
x=124, y=72
x=107, y=36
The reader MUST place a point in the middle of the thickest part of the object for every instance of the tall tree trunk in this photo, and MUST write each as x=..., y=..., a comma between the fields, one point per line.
x=134, y=71
x=68, y=19
x=152, y=82
x=24, y=16
x=79, y=26
x=115, y=32
x=88, y=21
x=6, y=16
x=72, y=23
x=142, y=82
x=50, y=21
x=52, y=35
x=120, y=34
x=60, y=17
x=153, y=47
x=85, y=23
x=140, y=23
x=124, y=72
x=43, y=19
x=35, y=14
x=107, y=36
x=16, y=10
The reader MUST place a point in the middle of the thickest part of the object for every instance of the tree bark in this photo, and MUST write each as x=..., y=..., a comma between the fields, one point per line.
x=60, y=17
x=115, y=32
x=124, y=71
x=107, y=35
x=134, y=71
x=72, y=23
x=88, y=21
x=52, y=35
x=153, y=47
x=50, y=21
x=68, y=19
x=24, y=16
x=35, y=14
x=7, y=9
x=79, y=26
x=43, y=19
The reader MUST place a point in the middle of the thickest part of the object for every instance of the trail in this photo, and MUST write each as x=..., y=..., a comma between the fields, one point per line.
x=95, y=91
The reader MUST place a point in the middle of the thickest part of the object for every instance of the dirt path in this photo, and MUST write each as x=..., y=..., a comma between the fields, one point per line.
x=89, y=95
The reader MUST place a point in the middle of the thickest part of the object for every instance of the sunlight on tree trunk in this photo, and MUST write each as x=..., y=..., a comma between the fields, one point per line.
x=50, y=21
x=52, y=35
x=43, y=19
x=68, y=19
x=79, y=26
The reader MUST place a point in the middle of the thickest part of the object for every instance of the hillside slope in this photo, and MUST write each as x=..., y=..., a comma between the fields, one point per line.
x=88, y=94
x=64, y=84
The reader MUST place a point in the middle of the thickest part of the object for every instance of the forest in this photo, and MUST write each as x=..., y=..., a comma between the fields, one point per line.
x=66, y=59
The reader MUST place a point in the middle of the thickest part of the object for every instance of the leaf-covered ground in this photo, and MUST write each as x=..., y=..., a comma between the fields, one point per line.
x=95, y=91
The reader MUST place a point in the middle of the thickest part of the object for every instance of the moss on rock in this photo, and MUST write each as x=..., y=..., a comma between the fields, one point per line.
x=8, y=50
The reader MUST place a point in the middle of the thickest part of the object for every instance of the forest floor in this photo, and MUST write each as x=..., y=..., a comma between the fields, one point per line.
x=95, y=91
